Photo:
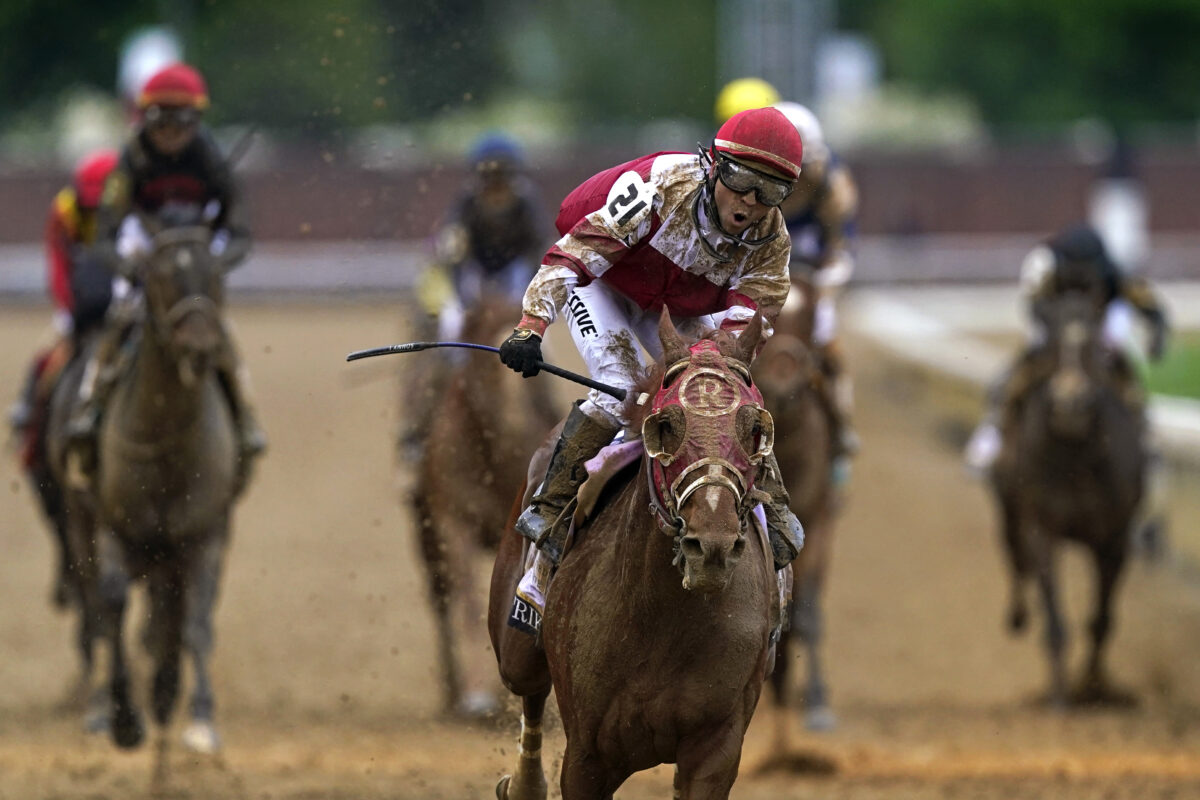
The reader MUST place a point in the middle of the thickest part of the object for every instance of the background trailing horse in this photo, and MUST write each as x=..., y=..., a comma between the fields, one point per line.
x=482, y=430
x=158, y=505
x=657, y=625
x=1071, y=470
x=788, y=373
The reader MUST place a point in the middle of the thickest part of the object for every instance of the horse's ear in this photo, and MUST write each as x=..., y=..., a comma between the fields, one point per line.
x=674, y=347
x=748, y=341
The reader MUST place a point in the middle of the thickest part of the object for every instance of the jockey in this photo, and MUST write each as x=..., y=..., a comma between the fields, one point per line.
x=1074, y=260
x=699, y=234
x=79, y=283
x=493, y=235
x=488, y=245
x=821, y=217
x=171, y=170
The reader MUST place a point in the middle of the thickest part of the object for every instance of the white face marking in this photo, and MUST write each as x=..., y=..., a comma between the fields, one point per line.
x=713, y=495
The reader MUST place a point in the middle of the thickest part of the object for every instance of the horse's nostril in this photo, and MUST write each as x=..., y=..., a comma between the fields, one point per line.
x=691, y=547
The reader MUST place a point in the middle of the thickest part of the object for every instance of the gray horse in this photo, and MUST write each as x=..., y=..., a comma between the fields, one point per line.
x=1072, y=470
x=157, y=504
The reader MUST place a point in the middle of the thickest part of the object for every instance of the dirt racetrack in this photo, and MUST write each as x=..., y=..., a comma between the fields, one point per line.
x=325, y=675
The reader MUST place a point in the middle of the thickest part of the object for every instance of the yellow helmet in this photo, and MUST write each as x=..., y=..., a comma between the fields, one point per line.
x=743, y=94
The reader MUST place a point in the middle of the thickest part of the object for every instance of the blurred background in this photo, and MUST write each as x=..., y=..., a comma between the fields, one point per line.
x=989, y=120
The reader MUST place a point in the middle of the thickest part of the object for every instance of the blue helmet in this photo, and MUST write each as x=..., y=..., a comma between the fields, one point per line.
x=496, y=149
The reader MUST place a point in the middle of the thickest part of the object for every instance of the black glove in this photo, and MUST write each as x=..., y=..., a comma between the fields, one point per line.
x=522, y=351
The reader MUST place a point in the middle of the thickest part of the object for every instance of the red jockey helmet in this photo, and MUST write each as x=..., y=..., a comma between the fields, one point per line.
x=763, y=137
x=176, y=85
x=90, y=175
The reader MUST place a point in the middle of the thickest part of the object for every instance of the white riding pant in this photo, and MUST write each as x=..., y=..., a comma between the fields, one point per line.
x=604, y=325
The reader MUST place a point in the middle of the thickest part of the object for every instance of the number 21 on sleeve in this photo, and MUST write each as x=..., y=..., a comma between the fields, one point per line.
x=629, y=202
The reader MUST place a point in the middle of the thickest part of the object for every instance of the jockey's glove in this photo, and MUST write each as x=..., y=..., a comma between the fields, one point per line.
x=522, y=352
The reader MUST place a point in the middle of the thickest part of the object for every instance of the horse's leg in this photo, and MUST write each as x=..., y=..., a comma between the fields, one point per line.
x=469, y=618
x=1095, y=686
x=79, y=527
x=1018, y=560
x=584, y=776
x=707, y=765
x=127, y=729
x=522, y=664
x=528, y=780
x=203, y=581
x=809, y=621
x=437, y=574
x=1056, y=634
x=167, y=595
x=779, y=682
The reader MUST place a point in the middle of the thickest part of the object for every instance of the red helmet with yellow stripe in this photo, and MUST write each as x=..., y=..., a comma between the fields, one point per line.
x=177, y=86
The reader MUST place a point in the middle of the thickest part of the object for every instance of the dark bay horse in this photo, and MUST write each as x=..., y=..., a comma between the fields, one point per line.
x=655, y=645
x=481, y=434
x=788, y=373
x=1071, y=470
x=158, y=505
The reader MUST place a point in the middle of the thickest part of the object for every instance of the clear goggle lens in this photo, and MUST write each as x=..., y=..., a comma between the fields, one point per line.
x=740, y=179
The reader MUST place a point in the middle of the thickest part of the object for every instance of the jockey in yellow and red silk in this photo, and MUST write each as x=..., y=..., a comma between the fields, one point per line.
x=170, y=170
x=700, y=235
x=79, y=282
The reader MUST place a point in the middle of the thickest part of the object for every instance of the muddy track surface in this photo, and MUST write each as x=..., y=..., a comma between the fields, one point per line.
x=327, y=685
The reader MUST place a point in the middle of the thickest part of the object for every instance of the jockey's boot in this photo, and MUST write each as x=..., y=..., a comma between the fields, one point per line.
x=784, y=531
x=99, y=377
x=582, y=438
x=251, y=439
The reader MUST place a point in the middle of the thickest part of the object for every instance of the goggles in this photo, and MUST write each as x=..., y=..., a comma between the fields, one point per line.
x=171, y=116
x=740, y=179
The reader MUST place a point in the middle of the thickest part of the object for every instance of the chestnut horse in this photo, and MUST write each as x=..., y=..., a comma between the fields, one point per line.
x=655, y=645
x=789, y=375
x=1071, y=469
x=159, y=504
x=484, y=428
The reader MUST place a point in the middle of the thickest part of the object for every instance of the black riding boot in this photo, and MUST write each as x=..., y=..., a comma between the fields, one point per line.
x=784, y=530
x=582, y=438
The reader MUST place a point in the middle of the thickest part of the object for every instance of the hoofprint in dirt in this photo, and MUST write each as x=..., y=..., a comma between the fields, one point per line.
x=325, y=658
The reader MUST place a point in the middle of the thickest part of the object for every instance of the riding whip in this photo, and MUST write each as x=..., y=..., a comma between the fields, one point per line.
x=414, y=347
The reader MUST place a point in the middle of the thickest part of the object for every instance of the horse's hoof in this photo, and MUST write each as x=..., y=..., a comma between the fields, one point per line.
x=820, y=719
x=502, y=787
x=200, y=736
x=127, y=729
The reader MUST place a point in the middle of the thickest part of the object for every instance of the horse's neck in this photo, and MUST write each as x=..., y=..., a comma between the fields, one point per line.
x=637, y=546
x=153, y=396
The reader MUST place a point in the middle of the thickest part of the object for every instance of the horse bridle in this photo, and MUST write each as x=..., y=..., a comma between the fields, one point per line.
x=716, y=471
